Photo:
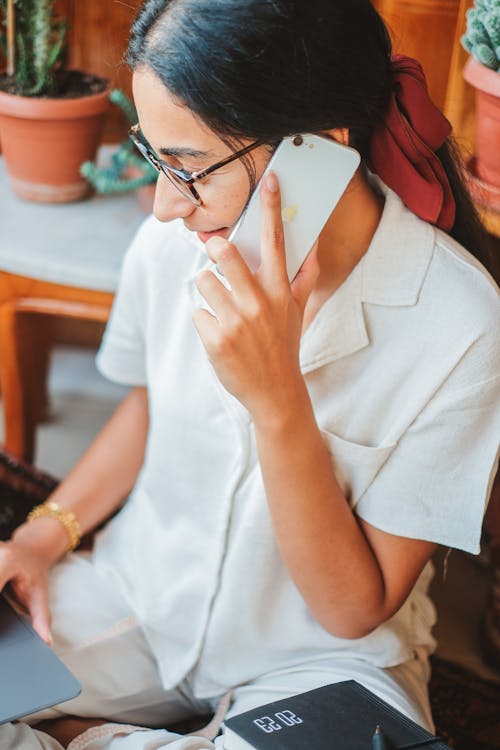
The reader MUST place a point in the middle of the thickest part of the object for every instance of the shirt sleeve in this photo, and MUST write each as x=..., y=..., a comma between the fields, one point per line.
x=121, y=356
x=436, y=483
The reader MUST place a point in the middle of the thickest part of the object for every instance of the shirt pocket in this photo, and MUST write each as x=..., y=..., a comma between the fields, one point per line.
x=355, y=465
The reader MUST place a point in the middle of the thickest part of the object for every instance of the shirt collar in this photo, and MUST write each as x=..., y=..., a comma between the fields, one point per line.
x=396, y=262
x=390, y=273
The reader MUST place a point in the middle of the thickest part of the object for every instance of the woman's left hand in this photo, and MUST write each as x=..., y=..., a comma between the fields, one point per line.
x=254, y=337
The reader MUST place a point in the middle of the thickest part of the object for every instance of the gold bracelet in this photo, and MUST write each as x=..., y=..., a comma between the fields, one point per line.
x=66, y=517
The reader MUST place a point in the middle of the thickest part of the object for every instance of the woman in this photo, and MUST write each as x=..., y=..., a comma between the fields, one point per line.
x=295, y=453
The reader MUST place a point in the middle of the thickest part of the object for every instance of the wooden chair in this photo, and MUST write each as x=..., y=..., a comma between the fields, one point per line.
x=24, y=355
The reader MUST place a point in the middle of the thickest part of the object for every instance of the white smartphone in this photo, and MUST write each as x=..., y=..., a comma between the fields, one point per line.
x=313, y=172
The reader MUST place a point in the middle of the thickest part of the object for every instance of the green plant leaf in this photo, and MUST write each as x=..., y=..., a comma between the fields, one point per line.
x=492, y=26
x=485, y=55
x=477, y=32
x=56, y=50
x=107, y=181
x=466, y=43
x=121, y=100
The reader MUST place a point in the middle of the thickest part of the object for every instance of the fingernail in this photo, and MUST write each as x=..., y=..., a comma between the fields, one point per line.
x=272, y=182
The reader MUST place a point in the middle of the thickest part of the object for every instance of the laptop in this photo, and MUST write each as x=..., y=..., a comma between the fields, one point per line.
x=32, y=677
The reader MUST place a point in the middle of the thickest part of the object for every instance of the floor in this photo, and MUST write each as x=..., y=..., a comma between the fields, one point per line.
x=82, y=401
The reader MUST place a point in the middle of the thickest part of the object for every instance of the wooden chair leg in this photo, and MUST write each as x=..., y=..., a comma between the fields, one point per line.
x=25, y=337
x=21, y=402
x=41, y=341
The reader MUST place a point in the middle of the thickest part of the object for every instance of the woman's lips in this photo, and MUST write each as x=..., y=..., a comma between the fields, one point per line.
x=205, y=236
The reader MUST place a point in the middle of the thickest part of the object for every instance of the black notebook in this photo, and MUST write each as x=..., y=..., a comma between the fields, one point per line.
x=342, y=716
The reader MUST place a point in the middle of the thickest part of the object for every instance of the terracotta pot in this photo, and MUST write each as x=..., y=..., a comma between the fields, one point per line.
x=486, y=198
x=45, y=141
x=487, y=141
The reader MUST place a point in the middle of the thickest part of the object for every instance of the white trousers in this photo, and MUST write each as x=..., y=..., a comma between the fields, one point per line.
x=100, y=640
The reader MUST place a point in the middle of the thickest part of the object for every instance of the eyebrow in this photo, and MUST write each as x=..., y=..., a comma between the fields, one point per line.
x=181, y=152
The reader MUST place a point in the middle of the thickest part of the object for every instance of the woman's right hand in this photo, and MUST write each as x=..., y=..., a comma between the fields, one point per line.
x=27, y=572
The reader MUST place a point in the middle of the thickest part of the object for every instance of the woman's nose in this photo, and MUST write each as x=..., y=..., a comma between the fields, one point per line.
x=169, y=203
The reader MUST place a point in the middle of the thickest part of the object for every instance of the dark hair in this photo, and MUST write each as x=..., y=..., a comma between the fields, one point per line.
x=265, y=69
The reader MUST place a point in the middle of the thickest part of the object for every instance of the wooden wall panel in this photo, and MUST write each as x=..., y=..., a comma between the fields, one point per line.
x=424, y=29
x=459, y=105
x=97, y=38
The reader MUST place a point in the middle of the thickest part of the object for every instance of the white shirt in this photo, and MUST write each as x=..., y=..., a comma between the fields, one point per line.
x=402, y=367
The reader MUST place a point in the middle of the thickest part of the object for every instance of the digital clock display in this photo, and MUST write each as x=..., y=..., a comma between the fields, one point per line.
x=278, y=721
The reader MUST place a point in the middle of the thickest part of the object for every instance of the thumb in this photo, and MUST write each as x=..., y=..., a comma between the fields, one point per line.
x=304, y=282
x=38, y=606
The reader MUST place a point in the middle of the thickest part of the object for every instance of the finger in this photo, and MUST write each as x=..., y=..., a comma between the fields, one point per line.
x=207, y=326
x=306, y=278
x=216, y=295
x=232, y=264
x=38, y=606
x=273, y=265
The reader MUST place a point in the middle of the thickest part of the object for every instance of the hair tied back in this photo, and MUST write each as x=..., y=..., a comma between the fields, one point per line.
x=403, y=146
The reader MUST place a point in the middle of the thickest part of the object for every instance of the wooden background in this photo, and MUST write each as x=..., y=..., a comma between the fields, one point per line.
x=97, y=39
x=426, y=29
x=429, y=30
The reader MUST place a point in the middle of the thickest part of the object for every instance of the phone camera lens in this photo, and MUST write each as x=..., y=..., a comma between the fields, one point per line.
x=298, y=140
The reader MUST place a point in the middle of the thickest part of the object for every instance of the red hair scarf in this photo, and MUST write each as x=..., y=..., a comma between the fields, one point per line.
x=402, y=150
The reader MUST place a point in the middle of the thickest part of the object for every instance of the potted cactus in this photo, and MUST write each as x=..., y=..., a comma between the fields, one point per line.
x=51, y=118
x=482, y=70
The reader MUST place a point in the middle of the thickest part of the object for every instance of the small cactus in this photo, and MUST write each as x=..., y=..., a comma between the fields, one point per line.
x=39, y=49
x=111, y=179
x=482, y=38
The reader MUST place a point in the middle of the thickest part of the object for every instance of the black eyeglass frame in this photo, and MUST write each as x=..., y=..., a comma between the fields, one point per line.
x=188, y=178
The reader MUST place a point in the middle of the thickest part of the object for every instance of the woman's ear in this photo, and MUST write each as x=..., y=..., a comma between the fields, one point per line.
x=341, y=135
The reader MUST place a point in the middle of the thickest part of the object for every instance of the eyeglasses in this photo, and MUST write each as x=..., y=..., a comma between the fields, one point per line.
x=181, y=178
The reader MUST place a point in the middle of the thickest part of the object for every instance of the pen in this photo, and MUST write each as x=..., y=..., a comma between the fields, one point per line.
x=380, y=741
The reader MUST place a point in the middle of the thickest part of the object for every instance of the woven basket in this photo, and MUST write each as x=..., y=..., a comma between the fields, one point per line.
x=21, y=488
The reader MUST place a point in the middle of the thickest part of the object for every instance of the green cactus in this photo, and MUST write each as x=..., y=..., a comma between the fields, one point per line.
x=39, y=46
x=111, y=179
x=482, y=38
x=118, y=97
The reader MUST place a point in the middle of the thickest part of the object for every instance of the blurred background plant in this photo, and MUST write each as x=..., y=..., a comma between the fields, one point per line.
x=127, y=169
x=482, y=37
x=32, y=39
